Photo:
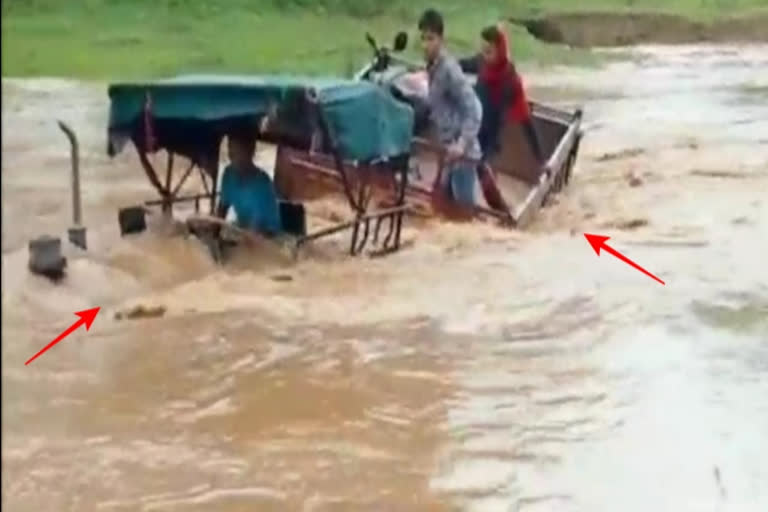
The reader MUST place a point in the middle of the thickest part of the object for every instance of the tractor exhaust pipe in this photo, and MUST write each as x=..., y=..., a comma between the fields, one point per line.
x=77, y=233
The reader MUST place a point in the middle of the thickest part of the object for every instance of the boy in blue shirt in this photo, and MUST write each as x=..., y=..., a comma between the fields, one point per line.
x=248, y=190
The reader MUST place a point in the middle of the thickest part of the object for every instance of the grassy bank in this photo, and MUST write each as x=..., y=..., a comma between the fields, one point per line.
x=697, y=10
x=140, y=38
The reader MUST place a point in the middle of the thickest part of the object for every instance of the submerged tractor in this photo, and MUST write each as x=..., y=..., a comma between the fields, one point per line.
x=366, y=139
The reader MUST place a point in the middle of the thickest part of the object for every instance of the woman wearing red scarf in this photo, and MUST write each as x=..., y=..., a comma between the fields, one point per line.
x=501, y=92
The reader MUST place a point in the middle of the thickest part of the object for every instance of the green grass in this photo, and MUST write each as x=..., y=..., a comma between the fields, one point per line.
x=147, y=38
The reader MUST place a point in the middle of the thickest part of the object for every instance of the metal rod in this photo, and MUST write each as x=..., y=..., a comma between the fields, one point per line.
x=168, y=171
x=346, y=225
x=204, y=181
x=178, y=199
x=392, y=222
x=168, y=204
x=353, y=241
x=183, y=179
x=358, y=248
x=376, y=230
x=398, y=230
x=75, y=157
x=149, y=170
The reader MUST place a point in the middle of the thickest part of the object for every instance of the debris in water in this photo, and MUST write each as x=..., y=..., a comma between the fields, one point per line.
x=626, y=225
x=140, y=311
x=282, y=278
x=632, y=224
x=740, y=221
x=718, y=174
x=688, y=144
x=625, y=153
x=719, y=480
x=633, y=179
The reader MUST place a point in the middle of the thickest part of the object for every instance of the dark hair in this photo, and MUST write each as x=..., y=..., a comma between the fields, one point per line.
x=245, y=138
x=431, y=21
x=491, y=35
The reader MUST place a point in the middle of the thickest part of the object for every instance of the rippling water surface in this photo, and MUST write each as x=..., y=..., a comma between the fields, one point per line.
x=476, y=370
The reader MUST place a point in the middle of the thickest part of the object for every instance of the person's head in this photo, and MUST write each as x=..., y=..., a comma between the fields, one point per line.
x=492, y=41
x=241, y=147
x=431, y=28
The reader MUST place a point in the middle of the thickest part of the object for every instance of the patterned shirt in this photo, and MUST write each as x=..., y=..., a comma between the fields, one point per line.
x=455, y=109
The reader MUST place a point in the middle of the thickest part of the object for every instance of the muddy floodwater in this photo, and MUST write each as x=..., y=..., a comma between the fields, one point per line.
x=479, y=369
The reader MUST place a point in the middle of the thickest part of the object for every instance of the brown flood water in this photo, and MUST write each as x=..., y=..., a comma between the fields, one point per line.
x=477, y=370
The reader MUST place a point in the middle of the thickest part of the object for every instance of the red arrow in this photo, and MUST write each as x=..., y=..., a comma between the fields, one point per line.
x=598, y=242
x=86, y=317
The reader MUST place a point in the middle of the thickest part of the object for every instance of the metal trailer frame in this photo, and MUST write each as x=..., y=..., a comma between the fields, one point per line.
x=357, y=190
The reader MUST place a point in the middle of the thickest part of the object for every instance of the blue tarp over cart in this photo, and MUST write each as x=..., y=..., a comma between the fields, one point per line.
x=365, y=121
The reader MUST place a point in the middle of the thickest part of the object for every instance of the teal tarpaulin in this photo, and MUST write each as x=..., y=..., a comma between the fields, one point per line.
x=366, y=121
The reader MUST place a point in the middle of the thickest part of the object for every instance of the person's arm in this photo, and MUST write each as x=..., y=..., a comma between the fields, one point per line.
x=471, y=64
x=469, y=104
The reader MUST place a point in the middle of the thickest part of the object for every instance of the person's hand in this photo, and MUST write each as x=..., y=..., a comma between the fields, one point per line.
x=454, y=152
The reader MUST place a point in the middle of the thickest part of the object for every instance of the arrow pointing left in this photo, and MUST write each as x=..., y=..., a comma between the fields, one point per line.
x=86, y=317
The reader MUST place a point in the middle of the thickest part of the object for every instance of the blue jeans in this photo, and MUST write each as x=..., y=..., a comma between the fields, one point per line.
x=458, y=181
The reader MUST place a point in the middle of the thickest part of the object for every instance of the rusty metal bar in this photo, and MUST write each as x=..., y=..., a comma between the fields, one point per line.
x=349, y=224
x=356, y=248
x=149, y=170
x=168, y=171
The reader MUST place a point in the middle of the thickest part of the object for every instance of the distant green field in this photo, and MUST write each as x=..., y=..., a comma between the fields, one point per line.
x=145, y=38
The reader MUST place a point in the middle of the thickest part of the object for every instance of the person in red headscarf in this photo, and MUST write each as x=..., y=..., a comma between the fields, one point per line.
x=501, y=92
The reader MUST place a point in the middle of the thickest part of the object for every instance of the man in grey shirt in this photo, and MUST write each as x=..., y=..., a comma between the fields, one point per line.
x=455, y=111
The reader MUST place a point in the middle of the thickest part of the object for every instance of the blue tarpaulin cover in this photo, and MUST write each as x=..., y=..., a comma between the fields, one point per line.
x=365, y=120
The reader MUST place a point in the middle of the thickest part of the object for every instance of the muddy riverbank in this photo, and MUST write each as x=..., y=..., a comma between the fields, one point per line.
x=586, y=29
